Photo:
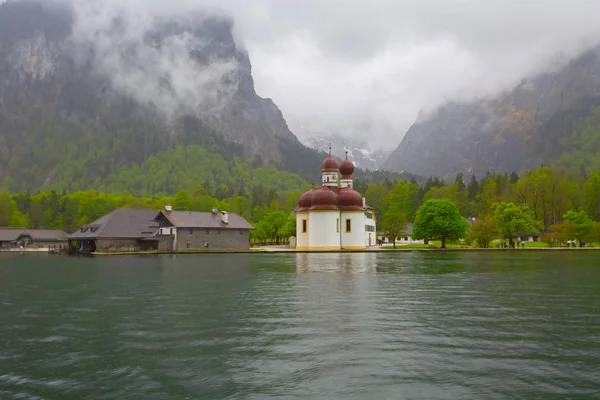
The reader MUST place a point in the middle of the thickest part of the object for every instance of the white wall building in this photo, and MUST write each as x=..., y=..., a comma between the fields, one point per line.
x=334, y=216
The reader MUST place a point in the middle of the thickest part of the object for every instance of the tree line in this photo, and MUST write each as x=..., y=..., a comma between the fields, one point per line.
x=560, y=206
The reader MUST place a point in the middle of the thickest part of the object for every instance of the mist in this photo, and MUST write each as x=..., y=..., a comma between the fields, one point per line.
x=359, y=68
x=148, y=58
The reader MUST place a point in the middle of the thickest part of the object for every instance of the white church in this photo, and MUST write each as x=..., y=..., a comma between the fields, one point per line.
x=335, y=216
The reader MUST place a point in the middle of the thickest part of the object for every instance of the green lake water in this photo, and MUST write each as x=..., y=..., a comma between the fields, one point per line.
x=301, y=326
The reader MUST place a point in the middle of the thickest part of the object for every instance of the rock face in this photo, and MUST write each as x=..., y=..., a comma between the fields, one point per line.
x=360, y=152
x=514, y=131
x=180, y=81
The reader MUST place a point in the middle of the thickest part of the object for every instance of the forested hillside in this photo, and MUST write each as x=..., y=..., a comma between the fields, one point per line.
x=69, y=122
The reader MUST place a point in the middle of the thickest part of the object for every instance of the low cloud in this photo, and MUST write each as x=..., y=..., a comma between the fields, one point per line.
x=147, y=52
x=357, y=67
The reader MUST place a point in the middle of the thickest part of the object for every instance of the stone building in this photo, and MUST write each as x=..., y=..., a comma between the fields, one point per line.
x=124, y=229
x=188, y=230
x=140, y=230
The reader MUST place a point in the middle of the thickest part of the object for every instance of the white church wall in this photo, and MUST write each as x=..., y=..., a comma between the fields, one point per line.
x=301, y=236
x=323, y=230
x=355, y=239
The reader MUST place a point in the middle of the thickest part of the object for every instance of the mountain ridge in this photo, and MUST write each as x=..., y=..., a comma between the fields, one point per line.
x=513, y=131
x=62, y=115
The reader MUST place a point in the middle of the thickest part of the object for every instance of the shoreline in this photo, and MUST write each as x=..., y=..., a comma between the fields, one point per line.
x=293, y=251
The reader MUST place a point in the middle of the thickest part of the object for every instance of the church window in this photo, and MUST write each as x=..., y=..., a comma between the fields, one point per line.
x=348, y=225
x=304, y=226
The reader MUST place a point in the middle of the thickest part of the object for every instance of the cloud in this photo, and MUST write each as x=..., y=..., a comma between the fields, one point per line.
x=359, y=67
x=153, y=68
x=377, y=63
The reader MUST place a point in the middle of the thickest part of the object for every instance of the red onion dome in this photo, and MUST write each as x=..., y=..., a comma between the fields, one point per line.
x=329, y=164
x=324, y=199
x=346, y=169
x=305, y=200
x=350, y=200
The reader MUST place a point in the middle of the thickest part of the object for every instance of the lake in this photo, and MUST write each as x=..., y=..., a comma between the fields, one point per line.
x=301, y=326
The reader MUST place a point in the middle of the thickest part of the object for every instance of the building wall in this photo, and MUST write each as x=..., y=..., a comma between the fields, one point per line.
x=117, y=245
x=370, y=234
x=407, y=239
x=301, y=237
x=356, y=238
x=323, y=230
x=165, y=243
x=211, y=239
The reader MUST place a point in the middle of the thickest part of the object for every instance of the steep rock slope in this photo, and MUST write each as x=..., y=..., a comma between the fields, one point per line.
x=511, y=132
x=71, y=108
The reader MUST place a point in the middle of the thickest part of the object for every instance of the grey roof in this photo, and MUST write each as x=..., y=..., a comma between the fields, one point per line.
x=12, y=234
x=126, y=223
x=195, y=219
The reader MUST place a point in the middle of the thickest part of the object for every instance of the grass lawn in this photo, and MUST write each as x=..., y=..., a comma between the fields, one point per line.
x=425, y=246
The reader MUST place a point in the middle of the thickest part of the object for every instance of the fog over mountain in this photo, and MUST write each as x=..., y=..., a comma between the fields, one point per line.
x=380, y=62
x=341, y=64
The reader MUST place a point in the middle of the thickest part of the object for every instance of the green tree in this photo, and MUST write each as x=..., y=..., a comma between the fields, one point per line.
x=289, y=229
x=404, y=196
x=394, y=223
x=591, y=196
x=513, y=219
x=375, y=195
x=9, y=214
x=484, y=230
x=273, y=225
x=439, y=219
x=582, y=225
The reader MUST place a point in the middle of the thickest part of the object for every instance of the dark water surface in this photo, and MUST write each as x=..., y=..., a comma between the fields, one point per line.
x=335, y=326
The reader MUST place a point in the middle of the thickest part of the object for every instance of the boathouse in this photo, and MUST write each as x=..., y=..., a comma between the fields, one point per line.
x=128, y=229
x=14, y=238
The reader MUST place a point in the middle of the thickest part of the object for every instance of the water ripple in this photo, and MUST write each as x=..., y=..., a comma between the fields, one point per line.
x=435, y=326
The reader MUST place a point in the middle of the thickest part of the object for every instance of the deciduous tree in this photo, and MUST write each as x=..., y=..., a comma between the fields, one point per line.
x=439, y=219
x=394, y=225
x=512, y=219
x=484, y=230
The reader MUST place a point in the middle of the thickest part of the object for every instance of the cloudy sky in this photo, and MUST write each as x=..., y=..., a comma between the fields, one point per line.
x=348, y=63
x=367, y=67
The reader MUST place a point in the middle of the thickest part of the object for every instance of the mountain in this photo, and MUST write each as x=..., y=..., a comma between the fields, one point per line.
x=360, y=152
x=83, y=99
x=531, y=125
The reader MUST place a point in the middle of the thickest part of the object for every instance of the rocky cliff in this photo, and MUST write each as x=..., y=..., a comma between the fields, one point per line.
x=86, y=99
x=516, y=130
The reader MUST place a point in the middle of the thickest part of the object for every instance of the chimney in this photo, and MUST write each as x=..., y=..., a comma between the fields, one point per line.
x=225, y=217
x=168, y=208
x=214, y=211
x=364, y=202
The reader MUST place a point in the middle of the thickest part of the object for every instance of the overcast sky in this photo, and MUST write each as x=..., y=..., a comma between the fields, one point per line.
x=350, y=62
x=374, y=64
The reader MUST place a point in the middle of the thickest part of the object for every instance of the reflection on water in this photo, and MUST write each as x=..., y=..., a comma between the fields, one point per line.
x=348, y=326
x=336, y=262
